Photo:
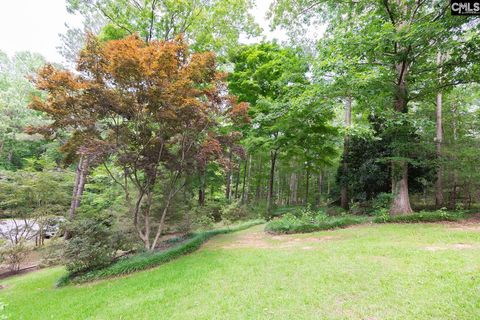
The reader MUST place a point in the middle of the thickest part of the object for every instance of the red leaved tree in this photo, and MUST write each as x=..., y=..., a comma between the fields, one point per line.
x=147, y=107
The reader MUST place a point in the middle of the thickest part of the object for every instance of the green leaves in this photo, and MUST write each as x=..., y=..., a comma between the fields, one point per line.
x=209, y=25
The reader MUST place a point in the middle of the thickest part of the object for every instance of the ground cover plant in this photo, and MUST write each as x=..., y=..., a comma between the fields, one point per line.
x=303, y=220
x=422, y=216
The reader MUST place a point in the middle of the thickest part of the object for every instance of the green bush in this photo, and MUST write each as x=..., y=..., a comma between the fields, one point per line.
x=309, y=221
x=422, y=216
x=93, y=245
x=234, y=211
x=282, y=210
x=53, y=253
x=334, y=211
x=14, y=254
x=148, y=259
x=382, y=201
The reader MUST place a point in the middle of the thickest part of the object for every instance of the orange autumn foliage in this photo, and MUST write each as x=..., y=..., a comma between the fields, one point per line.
x=150, y=105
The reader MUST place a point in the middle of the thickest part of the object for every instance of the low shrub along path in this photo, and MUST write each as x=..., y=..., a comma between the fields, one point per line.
x=369, y=271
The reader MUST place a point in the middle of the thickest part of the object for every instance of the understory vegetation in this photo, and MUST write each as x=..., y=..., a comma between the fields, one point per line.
x=304, y=220
x=423, y=216
x=307, y=220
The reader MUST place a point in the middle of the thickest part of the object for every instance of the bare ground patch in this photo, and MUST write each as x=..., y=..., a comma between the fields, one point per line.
x=454, y=246
x=470, y=224
x=262, y=240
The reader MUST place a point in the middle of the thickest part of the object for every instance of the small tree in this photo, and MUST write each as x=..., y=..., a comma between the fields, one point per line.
x=14, y=254
x=146, y=108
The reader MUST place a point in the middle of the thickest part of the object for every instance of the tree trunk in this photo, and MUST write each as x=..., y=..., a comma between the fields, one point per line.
x=237, y=182
x=273, y=159
x=258, y=187
x=244, y=180
x=307, y=181
x=328, y=185
x=201, y=188
x=247, y=182
x=229, y=176
x=344, y=187
x=319, y=194
x=439, y=142
x=401, y=202
x=453, y=197
x=293, y=178
x=78, y=187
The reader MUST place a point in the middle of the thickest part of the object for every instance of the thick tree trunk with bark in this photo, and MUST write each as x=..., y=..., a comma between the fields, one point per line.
x=401, y=201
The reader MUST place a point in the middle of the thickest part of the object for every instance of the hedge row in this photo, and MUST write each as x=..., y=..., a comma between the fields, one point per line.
x=148, y=260
x=283, y=227
x=287, y=225
x=422, y=216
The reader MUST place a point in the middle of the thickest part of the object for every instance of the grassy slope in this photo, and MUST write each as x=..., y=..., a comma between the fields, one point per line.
x=149, y=260
x=365, y=272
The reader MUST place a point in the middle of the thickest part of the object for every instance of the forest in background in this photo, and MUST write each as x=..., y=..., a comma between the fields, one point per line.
x=164, y=122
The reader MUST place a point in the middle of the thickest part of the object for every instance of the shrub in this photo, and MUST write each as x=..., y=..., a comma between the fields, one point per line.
x=14, y=254
x=93, y=245
x=381, y=202
x=53, y=253
x=334, y=211
x=281, y=211
x=381, y=215
x=202, y=221
x=309, y=221
x=259, y=211
x=235, y=211
x=422, y=216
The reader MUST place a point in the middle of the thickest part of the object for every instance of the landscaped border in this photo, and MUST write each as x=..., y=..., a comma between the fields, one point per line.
x=149, y=260
x=277, y=227
x=423, y=216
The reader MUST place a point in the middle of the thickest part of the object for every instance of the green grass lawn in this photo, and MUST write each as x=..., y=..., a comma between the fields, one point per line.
x=391, y=271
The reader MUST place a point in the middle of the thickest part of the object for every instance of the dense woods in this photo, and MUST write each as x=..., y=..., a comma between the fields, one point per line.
x=165, y=121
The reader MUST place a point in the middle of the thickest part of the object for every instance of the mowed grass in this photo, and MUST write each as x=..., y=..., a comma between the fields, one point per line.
x=391, y=271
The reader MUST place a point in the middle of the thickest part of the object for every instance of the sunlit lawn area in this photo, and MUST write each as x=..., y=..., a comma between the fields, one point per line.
x=392, y=271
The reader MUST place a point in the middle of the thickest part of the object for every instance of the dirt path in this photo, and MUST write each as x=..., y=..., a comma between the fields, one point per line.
x=256, y=237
